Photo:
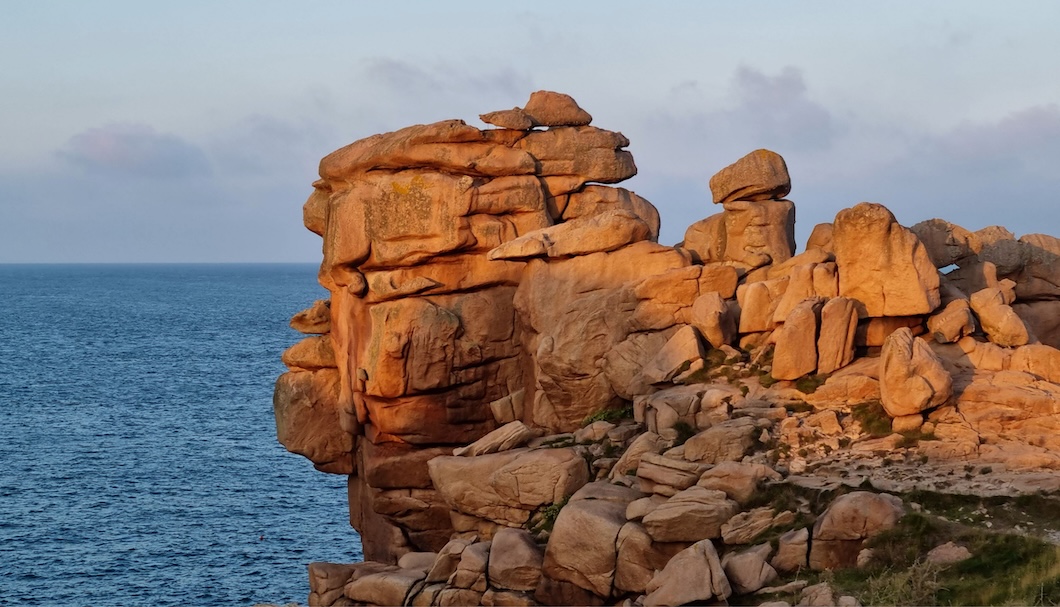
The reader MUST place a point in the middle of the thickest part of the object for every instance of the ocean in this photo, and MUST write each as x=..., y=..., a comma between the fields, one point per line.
x=138, y=455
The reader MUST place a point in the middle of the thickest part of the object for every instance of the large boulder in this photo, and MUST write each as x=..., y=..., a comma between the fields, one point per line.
x=639, y=557
x=515, y=560
x=749, y=570
x=305, y=404
x=575, y=312
x=690, y=515
x=582, y=549
x=796, y=341
x=912, y=378
x=740, y=481
x=760, y=175
x=1000, y=322
x=839, y=533
x=883, y=265
x=835, y=343
x=694, y=574
x=506, y=487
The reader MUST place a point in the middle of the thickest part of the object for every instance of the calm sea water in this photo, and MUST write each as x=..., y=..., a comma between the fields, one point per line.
x=138, y=456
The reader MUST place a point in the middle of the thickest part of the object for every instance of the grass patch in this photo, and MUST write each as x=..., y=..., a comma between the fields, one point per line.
x=684, y=431
x=610, y=415
x=547, y=516
x=1004, y=568
x=808, y=384
x=873, y=418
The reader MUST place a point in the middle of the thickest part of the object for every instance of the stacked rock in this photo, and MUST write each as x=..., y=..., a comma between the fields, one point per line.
x=490, y=297
x=426, y=232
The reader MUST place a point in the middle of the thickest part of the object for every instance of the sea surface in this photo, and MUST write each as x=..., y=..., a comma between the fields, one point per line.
x=138, y=455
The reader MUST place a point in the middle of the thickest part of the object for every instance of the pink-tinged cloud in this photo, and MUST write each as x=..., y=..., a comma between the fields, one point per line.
x=135, y=150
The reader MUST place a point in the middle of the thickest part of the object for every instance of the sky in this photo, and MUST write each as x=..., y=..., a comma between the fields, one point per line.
x=190, y=131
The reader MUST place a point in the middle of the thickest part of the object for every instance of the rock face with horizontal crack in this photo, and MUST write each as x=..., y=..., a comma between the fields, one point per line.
x=535, y=402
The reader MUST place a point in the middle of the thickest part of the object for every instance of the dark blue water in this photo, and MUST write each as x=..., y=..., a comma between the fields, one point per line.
x=138, y=457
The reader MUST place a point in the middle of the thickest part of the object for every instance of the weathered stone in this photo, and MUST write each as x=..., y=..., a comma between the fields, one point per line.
x=749, y=570
x=456, y=597
x=952, y=322
x=637, y=509
x=327, y=581
x=504, y=487
x=1000, y=247
x=694, y=574
x=648, y=442
x=758, y=304
x=418, y=560
x=509, y=436
x=575, y=311
x=502, y=598
x=744, y=527
x=639, y=557
x=604, y=232
x=835, y=345
x=912, y=378
x=590, y=153
x=690, y=515
x=665, y=475
x=759, y=233
x=1042, y=318
x=450, y=146
x=883, y=265
x=310, y=354
x=739, y=481
x=792, y=551
x=582, y=548
x=560, y=592
x=396, y=465
x=470, y=571
x=821, y=238
x=946, y=243
x=817, y=595
x=948, y=553
x=680, y=351
x=760, y=175
x=713, y=318
x=315, y=320
x=1000, y=322
x=548, y=108
x=515, y=560
x=796, y=350
x=727, y=441
x=515, y=119
x=446, y=561
x=305, y=404
x=383, y=588
x=839, y=533
x=597, y=199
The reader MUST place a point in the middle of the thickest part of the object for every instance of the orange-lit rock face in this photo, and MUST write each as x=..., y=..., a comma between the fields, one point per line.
x=485, y=278
x=423, y=332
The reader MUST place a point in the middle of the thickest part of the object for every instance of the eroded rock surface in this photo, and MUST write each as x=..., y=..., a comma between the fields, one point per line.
x=536, y=402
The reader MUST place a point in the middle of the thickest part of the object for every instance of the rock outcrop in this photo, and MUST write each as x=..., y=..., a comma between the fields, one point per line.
x=535, y=402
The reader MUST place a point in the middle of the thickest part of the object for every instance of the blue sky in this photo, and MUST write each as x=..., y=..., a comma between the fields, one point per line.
x=135, y=131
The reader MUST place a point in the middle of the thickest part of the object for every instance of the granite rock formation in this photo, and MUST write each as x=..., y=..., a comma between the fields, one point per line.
x=535, y=402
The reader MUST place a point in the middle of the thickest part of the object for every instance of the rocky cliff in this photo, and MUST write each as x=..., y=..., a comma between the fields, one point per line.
x=535, y=402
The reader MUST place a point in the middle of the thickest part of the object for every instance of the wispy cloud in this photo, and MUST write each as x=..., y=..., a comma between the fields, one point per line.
x=135, y=150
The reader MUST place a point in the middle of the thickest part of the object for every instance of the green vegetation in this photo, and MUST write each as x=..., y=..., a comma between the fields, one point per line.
x=547, y=515
x=610, y=415
x=873, y=418
x=1005, y=569
x=808, y=384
